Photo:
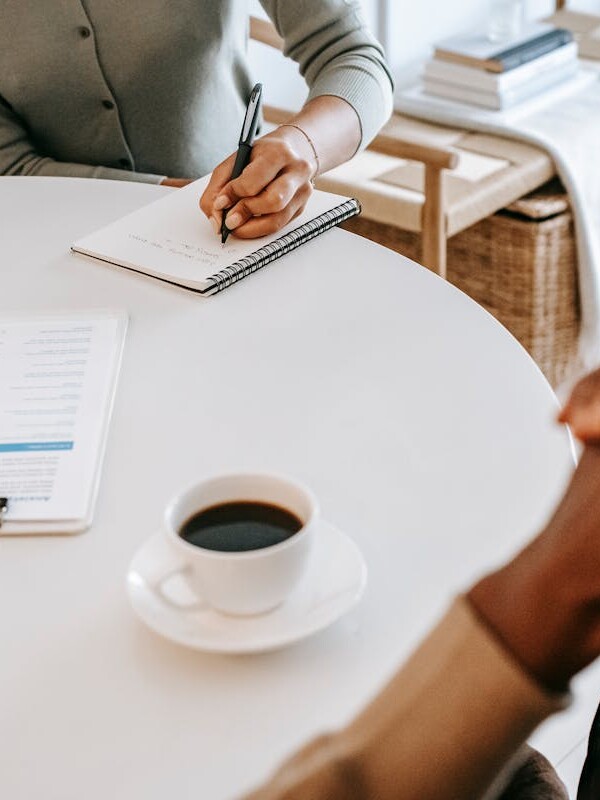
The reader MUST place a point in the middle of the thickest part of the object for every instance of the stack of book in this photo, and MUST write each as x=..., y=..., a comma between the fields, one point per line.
x=473, y=70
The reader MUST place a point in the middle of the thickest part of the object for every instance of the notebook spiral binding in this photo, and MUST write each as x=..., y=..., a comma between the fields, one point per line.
x=265, y=255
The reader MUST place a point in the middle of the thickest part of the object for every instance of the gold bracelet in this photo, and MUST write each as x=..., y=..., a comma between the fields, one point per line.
x=311, y=143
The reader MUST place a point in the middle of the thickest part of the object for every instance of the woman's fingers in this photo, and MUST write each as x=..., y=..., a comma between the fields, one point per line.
x=584, y=421
x=220, y=177
x=270, y=157
x=266, y=196
x=273, y=199
x=268, y=224
x=582, y=410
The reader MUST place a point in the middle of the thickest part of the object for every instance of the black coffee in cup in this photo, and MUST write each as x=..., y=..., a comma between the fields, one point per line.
x=240, y=526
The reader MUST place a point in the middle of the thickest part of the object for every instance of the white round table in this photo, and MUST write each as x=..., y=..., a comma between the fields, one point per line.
x=423, y=427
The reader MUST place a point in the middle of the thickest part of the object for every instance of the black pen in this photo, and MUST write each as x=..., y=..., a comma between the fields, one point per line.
x=244, y=145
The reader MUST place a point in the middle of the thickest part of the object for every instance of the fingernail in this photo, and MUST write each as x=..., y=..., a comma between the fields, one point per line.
x=233, y=220
x=221, y=202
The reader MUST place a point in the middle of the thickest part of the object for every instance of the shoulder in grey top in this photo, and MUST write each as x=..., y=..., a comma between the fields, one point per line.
x=145, y=88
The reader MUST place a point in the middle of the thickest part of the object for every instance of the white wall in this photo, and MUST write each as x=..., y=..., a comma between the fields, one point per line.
x=409, y=29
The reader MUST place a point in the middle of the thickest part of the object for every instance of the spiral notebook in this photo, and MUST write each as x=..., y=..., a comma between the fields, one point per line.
x=172, y=240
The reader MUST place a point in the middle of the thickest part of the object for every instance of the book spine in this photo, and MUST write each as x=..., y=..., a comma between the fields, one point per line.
x=471, y=77
x=274, y=250
x=515, y=57
x=512, y=57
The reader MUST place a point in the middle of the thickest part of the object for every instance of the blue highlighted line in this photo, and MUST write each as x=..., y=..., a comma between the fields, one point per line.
x=28, y=447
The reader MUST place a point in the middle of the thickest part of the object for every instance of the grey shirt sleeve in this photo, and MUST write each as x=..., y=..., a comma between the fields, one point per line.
x=18, y=156
x=337, y=55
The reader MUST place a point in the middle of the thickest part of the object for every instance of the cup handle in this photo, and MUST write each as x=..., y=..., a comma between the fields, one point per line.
x=173, y=565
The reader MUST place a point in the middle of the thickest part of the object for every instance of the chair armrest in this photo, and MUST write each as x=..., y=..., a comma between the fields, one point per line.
x=437, y=157
x=388, y=144
x=261, y=30
x=275, y=115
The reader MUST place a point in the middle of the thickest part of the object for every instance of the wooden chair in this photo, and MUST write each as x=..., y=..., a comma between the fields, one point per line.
x=521, y=266
x=435, y=161
x=439, y=215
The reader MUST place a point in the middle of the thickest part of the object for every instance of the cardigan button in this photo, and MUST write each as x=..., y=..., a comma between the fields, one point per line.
x=125, y=163
x=84, y=32
x=108, y=104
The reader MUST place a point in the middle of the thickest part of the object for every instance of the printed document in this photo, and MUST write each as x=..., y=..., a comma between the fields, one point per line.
x=58, y=380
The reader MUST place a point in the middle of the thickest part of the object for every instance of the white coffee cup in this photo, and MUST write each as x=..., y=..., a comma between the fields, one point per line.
x=242, y=582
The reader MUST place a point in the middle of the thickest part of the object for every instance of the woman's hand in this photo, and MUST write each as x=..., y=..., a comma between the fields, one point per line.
x=272, y=190
x=582, y=410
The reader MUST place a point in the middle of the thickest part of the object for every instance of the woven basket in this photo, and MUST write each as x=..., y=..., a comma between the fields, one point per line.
x=520, y=264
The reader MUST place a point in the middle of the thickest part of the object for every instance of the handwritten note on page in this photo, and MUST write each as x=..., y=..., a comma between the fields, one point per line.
x=172, y=239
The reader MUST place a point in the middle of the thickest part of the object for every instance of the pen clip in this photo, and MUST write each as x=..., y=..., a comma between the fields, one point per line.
x=3, y=509
x=251, y=117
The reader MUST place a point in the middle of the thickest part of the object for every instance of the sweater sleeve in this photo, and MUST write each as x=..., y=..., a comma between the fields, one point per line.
x=337, y=55
x=446, y=725
x=18, y=156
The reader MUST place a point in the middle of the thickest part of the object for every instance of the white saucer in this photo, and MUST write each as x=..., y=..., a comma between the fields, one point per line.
x=334, y=582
